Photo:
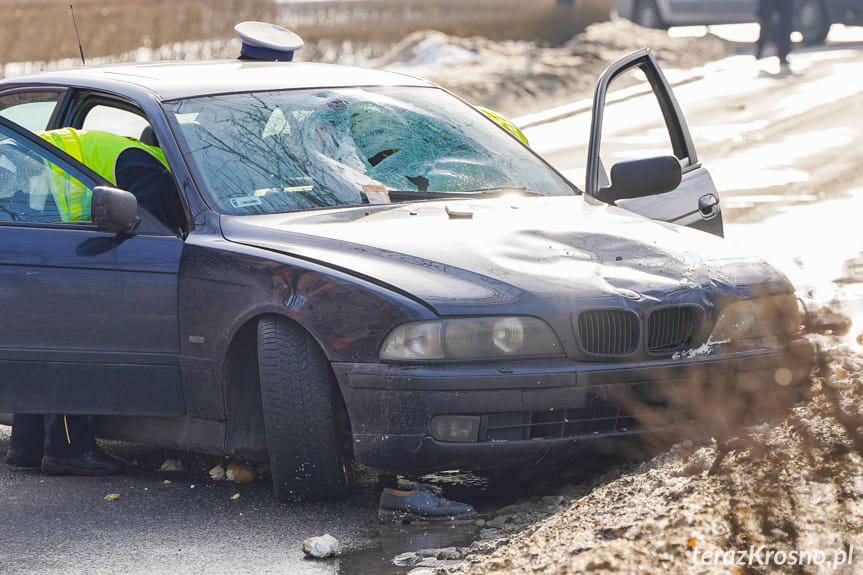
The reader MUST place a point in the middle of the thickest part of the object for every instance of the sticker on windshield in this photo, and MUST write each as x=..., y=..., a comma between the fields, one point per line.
x=246, y=201
x=377, y=194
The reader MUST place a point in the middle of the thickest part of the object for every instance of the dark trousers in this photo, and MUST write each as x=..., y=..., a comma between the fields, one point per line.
x=777, y=24
x=48, y=434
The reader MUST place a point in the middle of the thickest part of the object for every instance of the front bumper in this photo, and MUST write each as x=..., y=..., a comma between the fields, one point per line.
x=533, y=410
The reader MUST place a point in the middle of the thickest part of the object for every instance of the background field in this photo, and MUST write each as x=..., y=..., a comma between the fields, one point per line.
x=42, y=29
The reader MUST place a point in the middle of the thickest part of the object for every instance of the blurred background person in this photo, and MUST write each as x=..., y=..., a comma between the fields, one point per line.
x=777, y=23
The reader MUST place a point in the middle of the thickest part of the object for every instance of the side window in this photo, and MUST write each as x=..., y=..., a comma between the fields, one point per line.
x=142, y=173
x=35, y=187
x=115, y=121
x=30, y=109
x=636, y=129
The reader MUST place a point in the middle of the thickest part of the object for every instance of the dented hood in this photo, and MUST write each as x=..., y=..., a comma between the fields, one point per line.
x=504, y=255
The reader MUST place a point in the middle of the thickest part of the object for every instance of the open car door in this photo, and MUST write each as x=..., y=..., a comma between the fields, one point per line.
x=89, y=317
x=680, y=192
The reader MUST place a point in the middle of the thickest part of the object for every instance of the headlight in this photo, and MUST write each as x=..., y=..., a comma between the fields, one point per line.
x=760, y=318
x=470, y=338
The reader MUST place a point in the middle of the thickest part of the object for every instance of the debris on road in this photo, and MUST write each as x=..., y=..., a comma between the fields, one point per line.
x=240, y=473
x=112, y=497
x=406, y=559
x=217, y=473
x=321, y=547
x=235, y=496
x=172, y=465
x=827, y=321
x=167, y=482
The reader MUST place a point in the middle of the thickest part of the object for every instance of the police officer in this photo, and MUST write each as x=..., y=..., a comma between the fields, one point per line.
x=65, y=444
x=128, y=163
x=60, y=445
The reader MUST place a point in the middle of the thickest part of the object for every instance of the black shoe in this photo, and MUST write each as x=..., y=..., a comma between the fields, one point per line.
x=24, y=457
x=420, y=505
x=94, y=462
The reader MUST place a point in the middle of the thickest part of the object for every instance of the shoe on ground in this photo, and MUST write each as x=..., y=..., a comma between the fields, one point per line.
x=420, y=505
x=24, y=457
x=92, y=463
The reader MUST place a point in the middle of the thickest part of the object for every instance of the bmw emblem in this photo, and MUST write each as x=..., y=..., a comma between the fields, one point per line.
x=629, y=294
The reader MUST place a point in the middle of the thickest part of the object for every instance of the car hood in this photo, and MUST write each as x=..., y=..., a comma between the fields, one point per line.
x=505, y=254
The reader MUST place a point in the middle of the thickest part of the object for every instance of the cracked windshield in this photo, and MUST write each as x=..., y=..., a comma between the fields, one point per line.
x=286, y=151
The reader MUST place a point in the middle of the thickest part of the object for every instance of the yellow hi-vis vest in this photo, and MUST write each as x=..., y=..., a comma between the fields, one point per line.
x=99, y=152
x=504, y=123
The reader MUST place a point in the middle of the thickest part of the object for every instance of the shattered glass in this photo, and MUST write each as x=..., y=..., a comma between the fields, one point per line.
x=293, y=150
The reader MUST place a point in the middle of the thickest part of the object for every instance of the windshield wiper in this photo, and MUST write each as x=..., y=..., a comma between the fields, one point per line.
x=410, y=195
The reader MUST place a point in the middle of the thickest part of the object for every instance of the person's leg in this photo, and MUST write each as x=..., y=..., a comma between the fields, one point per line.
x=25, y=445
x=71, y=449
x=68, y=435
x=767, y=17
x=784, y=29
x=762, y=35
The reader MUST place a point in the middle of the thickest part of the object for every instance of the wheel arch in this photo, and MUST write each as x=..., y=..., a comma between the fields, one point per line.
x=245, y=434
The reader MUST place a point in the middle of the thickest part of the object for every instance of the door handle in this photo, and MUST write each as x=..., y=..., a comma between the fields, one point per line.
x=708, y=205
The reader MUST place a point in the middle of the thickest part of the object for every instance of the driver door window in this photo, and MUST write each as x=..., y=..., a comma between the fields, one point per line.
x=635, y=128
x=34, y=189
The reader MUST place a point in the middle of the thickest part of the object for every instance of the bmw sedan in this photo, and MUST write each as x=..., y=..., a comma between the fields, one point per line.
x=363, y=266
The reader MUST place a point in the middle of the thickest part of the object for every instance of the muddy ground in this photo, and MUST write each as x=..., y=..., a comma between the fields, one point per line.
x=518, y=78
x=792, y=485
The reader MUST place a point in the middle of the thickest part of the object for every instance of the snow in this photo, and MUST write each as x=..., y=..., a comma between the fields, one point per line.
x=435, y=51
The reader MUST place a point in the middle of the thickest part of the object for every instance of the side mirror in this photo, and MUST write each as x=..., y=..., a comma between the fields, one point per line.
x=114, y=210
x=642, y=178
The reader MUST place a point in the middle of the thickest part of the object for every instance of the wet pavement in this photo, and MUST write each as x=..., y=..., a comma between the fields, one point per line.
x=63, y=525
x=786, y=156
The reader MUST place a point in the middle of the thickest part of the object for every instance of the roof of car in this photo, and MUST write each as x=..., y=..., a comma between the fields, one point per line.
x=175, y=80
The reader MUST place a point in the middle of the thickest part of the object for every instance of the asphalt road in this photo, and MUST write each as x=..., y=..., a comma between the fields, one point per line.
x=785, y=153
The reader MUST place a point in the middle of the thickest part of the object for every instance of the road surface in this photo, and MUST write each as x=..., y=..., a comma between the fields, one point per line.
x=787, y=156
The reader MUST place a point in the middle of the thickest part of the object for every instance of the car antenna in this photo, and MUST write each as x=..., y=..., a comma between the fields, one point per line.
x=77, y=35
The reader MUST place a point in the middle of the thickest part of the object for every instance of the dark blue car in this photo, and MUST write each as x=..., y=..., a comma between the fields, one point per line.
x=367, y=267
x=813, y=17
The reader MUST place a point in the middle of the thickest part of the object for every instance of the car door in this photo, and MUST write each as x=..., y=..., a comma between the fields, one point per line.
x=89, y=318
x=695, y=201
x=712, y=11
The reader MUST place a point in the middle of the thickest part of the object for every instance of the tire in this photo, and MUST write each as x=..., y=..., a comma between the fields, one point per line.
x=646, y=14
x=298, y=394
x=813, y=21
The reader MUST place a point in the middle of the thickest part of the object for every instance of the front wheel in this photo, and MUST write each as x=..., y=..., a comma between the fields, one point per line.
x=646, y=14
x=298, y=393
x=813, y=22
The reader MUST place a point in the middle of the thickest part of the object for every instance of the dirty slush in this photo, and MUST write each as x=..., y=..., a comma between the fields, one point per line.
x=777, y=497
